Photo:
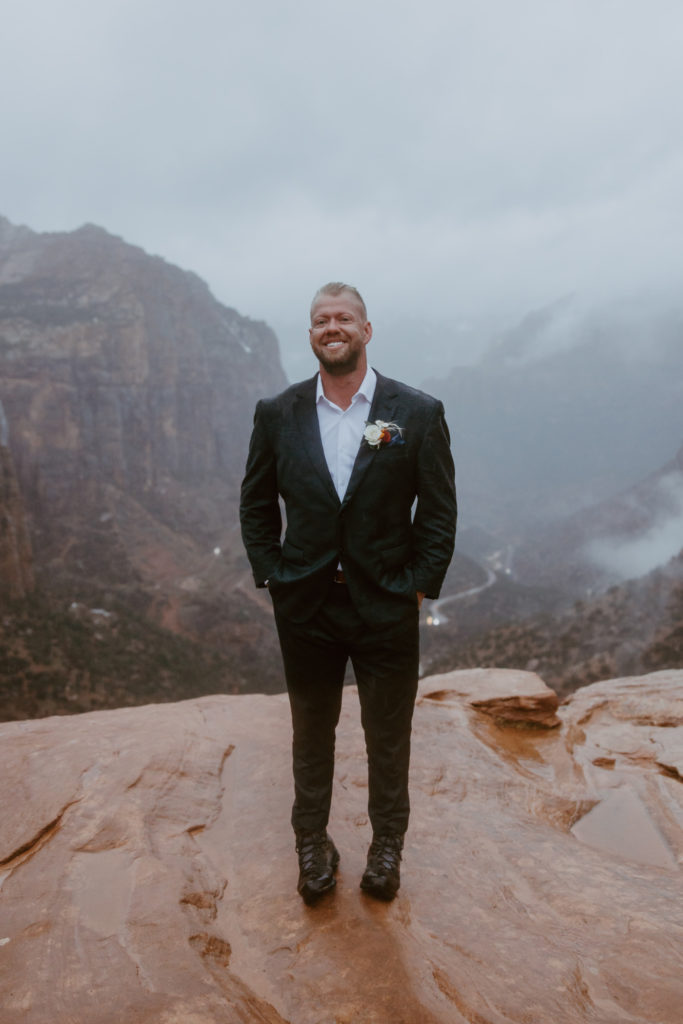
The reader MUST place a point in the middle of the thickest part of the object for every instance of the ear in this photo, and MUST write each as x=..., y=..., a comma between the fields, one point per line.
x=368, y=331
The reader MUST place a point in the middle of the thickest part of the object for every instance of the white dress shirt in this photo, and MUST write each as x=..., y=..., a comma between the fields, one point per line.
x=341, y=430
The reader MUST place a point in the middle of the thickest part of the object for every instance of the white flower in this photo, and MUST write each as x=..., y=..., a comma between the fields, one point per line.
x=373, y=434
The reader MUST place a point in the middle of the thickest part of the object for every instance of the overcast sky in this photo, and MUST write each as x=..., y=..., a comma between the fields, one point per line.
x=457, y=161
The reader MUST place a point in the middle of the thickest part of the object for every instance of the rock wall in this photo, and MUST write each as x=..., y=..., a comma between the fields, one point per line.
x=16, y=572
x=129, y=392
x=147, y=869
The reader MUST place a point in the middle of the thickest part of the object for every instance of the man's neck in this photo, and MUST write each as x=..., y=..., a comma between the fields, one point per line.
x=341, y=390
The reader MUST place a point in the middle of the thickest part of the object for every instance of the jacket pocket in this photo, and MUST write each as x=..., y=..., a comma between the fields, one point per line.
x=396, y=556
x=291, y=553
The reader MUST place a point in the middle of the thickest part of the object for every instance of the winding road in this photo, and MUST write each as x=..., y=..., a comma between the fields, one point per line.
x=435, y=614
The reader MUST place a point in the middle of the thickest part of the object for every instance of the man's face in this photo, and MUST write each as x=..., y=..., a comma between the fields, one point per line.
x=339, y=333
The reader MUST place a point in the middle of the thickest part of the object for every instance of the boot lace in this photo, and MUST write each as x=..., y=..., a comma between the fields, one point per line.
x=385, y=853
x=312, y=851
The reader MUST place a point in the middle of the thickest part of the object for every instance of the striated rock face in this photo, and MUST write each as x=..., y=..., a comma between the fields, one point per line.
x=16, y=571
x=148, y=871
x=129, y=393
x=121, y=375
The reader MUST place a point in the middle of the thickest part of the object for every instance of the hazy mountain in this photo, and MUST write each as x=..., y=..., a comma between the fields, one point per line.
x=566, y=409
x=623, y=537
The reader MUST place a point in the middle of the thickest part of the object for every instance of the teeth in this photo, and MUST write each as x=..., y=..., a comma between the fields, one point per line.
x=334, y=344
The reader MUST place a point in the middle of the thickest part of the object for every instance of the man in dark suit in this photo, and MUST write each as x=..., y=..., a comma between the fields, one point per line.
x=364, y=468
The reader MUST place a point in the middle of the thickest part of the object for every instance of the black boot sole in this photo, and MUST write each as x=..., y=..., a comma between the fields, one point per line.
x=381, y=888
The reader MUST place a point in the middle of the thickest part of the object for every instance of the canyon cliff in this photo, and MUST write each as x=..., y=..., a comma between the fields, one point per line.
x=16, y=564
x=148, y=873
x=128, y=394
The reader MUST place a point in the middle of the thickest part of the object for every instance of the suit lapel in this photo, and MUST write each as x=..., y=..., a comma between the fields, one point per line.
x=307, y=421
x=383, y=408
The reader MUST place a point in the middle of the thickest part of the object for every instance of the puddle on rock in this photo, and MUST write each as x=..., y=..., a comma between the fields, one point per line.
x=620, y=824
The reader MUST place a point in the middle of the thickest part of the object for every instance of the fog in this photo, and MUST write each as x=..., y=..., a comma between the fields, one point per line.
x=636, y=558
x=462, y=163
x=655, y=546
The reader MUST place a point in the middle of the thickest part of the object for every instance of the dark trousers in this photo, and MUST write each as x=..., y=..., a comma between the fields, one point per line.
x=385, y=662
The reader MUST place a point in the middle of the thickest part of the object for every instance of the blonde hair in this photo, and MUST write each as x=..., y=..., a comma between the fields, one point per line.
x=336, y=288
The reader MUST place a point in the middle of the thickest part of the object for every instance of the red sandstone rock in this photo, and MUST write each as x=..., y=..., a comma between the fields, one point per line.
x=148, y=873
x=508, y=695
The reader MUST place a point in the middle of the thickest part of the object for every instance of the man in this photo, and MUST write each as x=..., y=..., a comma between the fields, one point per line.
x=349, y=452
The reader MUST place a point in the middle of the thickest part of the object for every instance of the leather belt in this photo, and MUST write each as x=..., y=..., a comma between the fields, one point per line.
x=339, y=576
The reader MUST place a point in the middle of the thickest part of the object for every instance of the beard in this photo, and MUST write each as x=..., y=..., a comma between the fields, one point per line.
x=338, y=363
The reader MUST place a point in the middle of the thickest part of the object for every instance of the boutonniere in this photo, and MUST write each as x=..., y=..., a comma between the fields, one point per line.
x=382, y=435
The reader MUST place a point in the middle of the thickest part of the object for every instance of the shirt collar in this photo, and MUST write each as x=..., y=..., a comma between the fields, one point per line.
x=366, y=390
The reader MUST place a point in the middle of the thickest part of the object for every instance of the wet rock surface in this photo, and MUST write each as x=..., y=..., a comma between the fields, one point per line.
x=147, y=869
x=507, y=695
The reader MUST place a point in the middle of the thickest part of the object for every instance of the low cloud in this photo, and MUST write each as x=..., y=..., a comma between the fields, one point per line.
x=654, y=547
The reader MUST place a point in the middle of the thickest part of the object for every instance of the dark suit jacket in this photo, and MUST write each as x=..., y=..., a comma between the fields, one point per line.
x=389, y=546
